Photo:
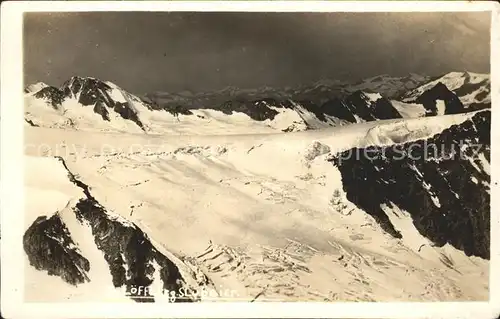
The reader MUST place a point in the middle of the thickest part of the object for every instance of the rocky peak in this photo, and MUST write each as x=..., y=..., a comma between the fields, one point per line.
x=429, y=100
x=364, y=105
x=51, y=94
x=103, y=97
x=88, y=91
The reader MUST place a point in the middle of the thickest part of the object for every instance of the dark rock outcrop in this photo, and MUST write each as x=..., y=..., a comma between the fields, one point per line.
x=468, y=87
x=30, y=122
x=478, y=106
x=482, y=95
x=257, y=110
x=177, y=110
x=440, y=92
x=49, y=247
x=132, y=258
x=89, y=91
x=312, y=107
x=128, y=113
x=127, y=250
x=383, y=109
x=100, y=109
x=338, y=108
x=440, y=181
x=54, y=95
x=359, y=104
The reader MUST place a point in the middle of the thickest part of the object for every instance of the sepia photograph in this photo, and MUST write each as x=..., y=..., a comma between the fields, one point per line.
x=251, y=156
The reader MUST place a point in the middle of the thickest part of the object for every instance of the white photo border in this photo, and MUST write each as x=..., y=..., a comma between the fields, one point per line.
x=12, y=178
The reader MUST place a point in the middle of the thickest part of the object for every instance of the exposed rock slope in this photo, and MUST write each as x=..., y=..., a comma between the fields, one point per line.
x=443, y=182
x=132, y=259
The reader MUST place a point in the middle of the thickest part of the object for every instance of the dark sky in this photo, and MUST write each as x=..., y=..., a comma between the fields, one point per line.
x=159, y=51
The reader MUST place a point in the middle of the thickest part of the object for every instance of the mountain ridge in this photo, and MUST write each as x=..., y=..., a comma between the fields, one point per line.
x=454, y=92
x=445, y=185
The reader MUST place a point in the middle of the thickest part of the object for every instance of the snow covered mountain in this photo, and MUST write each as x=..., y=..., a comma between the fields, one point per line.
x=92, y=104
x=83, y=102
x=294, y=110
x=315, y=222
x=454, y=92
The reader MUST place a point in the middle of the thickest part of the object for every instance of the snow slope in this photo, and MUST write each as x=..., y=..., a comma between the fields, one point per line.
x=266, y=216
x=409, y=110
x=77, y=250
x=34, y=88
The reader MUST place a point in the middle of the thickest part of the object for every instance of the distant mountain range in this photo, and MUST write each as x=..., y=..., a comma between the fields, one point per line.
x=318, y=92
x=81, y=102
